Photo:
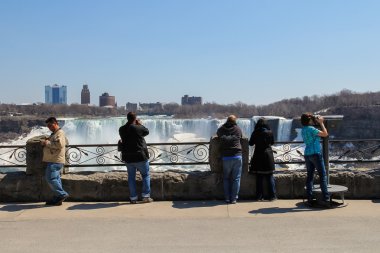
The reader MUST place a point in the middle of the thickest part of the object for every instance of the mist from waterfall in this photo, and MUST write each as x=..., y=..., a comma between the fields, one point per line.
x=161, y=129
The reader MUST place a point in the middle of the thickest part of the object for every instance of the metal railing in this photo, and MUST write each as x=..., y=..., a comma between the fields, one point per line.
x=197, y=153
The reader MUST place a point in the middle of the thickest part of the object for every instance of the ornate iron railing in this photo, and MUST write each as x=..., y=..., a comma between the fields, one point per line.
x=189, y=153
x=354, y=151
x=196, y=153
x=13, y=156
x=288, y=152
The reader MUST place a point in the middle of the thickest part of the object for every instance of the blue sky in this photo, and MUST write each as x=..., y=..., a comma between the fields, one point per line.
x=256, y=52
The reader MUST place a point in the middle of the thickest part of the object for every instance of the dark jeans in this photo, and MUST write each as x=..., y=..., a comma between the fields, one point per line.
x=315, y=162
x=260, y=185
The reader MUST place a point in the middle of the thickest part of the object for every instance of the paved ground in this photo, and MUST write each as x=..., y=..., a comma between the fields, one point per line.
x=196, y=226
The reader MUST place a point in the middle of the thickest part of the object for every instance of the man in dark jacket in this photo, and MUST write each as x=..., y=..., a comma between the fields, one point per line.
x=230, y=135
x=135, y=155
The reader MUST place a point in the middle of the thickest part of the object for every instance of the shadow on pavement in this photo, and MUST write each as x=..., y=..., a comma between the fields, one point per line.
x=300, y=207
x=20, y=207
x=377, y=201
x=90, y=206
x=196, y=204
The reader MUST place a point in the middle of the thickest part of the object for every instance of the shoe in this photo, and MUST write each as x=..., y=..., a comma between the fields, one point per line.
x=53, y=203
x=227, y=201
x=309, y=203
x=147, y=200
x=61, y=199
x=272, y=199
x=133, y=201
x=233, y=201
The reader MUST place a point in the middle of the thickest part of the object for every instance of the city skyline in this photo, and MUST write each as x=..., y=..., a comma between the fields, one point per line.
x=255, y=52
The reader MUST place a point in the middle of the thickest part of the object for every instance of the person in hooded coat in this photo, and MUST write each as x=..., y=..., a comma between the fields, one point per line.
x=262, y=161
x=230, y=135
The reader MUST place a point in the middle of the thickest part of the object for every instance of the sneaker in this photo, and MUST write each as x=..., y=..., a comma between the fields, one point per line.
x=233, y=201
x=61, y=199
x=133, y=201
x=227, y=201
x=147, y=200
x=309, y=203
x=53, y=203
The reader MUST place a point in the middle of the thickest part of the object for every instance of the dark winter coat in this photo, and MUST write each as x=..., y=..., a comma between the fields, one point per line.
x=230, y=135
x=262, y=160
x=133, y=148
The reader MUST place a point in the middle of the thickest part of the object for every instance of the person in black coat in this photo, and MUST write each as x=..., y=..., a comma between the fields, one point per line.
x=262, y=161
x=134, y=153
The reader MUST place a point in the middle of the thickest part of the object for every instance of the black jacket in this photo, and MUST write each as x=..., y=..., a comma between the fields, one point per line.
x=262, y=160
x=134, y=148
x=230, y=135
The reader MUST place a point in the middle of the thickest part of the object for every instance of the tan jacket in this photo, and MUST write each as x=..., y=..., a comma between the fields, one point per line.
x=55, y=150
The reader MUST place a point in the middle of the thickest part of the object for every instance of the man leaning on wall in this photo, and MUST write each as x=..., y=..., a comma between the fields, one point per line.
x=54, y=149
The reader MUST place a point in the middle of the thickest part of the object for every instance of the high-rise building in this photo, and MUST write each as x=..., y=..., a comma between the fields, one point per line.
x=106, y=100
x=85, y=95
x=55, y=94
x=186, y=100
x=131, y=107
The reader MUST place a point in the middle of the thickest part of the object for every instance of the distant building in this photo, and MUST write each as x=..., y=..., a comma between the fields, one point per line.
x=85, y=95
x=186, y=100
x=131, y=107
x=106, y=100
x=151, y=106
x=55, y=94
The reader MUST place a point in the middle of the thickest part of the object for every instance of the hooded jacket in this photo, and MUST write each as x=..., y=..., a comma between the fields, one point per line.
x=230, y=135
x=262, y=160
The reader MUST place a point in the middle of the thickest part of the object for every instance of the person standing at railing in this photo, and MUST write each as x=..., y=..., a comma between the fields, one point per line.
x=230, y=135
x=313, y=155
x=262, y=161
x=136, y=156
x=54, y=149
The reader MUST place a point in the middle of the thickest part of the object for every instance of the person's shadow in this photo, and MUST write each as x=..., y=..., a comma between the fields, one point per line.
x=196, y=204
x=16, y=207
x=300, y=207
x=92, y=206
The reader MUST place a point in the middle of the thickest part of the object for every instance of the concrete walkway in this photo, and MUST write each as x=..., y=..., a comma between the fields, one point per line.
x=189, y=226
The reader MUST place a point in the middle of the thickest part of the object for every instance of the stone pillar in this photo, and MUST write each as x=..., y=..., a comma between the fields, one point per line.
x=34, y=164
x=215, y=156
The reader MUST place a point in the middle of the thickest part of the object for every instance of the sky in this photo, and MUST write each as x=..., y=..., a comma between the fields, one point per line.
x=256, y=52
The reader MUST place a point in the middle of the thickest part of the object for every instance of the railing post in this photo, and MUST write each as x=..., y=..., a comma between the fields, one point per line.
x=326, y=157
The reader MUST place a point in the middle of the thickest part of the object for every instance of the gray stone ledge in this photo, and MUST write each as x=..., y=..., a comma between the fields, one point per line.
x=113, y=186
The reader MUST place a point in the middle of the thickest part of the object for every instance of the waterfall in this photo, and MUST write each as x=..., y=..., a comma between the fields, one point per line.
x=161, y=129
x=284, y=129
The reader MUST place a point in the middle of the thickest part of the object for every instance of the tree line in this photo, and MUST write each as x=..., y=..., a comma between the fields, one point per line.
x=346, y=102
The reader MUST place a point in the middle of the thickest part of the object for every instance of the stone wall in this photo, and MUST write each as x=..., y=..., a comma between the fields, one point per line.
x=113, y=186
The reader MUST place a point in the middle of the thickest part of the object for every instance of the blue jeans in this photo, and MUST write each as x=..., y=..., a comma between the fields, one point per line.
x=260, y=187
x=231, y=178
x=143, y=168
x=313, y=162
x=53, y=178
